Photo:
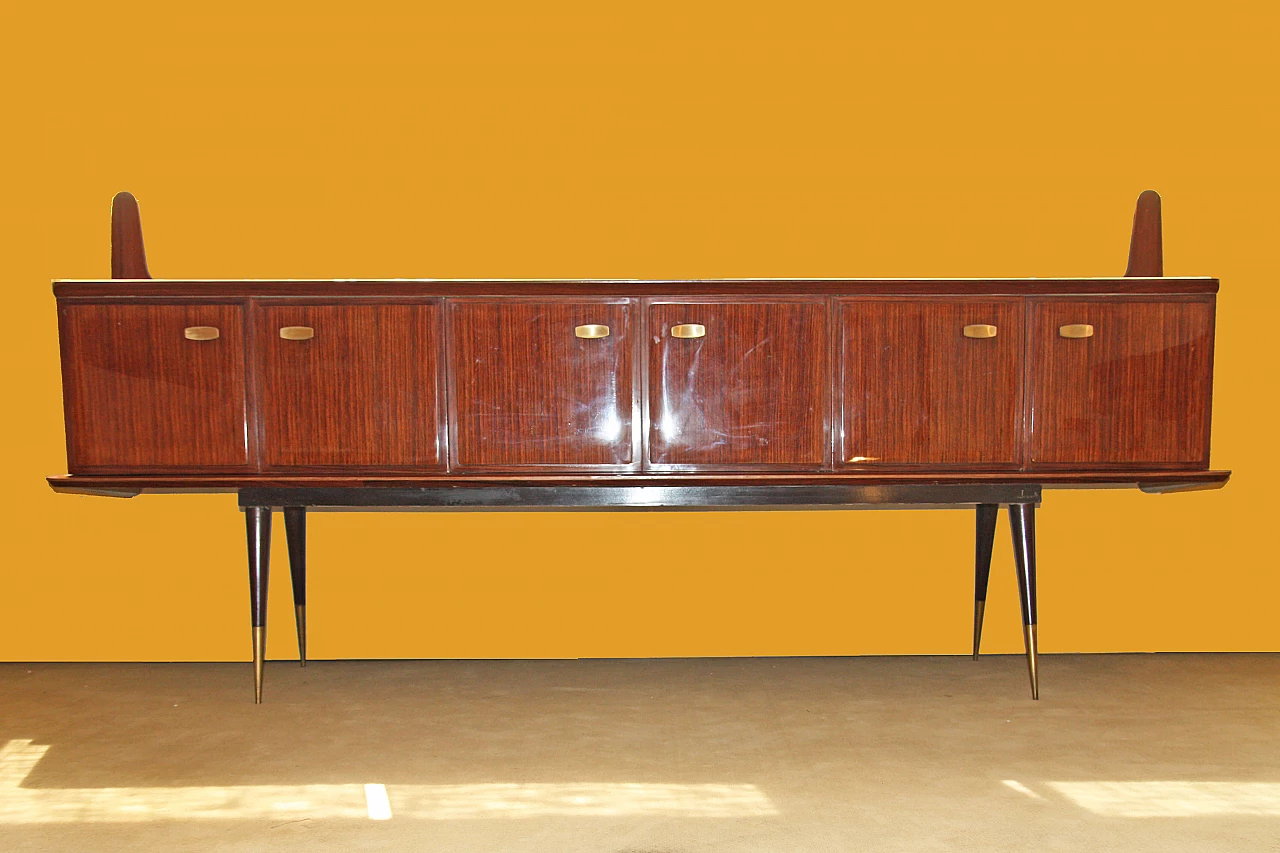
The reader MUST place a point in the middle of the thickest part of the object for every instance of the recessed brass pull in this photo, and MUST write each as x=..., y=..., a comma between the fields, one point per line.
x=591, y=331
x=1076, y=330
x=980, y=330
x=201, y=333
x=297, y=333
x=688, y=330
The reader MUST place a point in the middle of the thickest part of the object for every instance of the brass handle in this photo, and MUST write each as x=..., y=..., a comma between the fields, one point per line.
x=201, y=333
x=591, y=331
x=1076, y=330
x=688, y=330
x=980, y=330
x=297, y=333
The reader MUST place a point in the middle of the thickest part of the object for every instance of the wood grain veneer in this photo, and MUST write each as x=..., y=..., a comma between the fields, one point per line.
x=753, y=391
x=525, y=391
x=138, y=395
x=363, y=392
x=916, y=391
x=1137, y=393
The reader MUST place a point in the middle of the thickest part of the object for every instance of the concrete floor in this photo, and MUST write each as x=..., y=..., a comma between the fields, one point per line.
x=1123, y=752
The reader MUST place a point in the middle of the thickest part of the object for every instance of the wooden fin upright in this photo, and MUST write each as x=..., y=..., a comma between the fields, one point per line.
x=128, y=259
x=1146, y=246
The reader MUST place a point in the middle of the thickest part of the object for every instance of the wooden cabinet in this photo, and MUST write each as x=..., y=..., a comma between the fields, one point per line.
x=350, y=384
x=1121, y=382
x=540, y=383
x=603, y=378
x=930, y=382
x=737, y=383
x=150, y=386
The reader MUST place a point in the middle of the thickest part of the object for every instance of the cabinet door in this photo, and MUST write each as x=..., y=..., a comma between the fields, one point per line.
x=738, y=383
x=931, y=382
x=541, y=383
x=349, y=385
x=1135, y=391
x=153, y=387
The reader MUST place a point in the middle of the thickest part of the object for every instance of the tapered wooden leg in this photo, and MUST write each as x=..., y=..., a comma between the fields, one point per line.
x=1022, y=518
x=258, y=527
x=295, y=533
x=984, y=542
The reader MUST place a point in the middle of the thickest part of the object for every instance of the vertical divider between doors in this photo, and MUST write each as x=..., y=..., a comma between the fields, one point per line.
x=640, y=358
x=835, y=388
x=635, y=326
x=446, y=419
x=1029, y=335
x=253, y=402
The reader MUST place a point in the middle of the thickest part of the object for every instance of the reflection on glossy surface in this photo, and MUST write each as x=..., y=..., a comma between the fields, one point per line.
x=751, y=390
x=372, y=801
x=530, y=389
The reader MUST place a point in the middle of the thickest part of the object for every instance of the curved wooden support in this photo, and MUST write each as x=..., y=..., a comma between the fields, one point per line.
x=1146, y=246
x=128, y=259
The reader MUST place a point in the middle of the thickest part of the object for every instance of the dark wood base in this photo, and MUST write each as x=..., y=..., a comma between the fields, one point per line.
x=128, y=485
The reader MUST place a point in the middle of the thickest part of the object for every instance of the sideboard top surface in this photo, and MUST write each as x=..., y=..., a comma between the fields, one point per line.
x=404, y=287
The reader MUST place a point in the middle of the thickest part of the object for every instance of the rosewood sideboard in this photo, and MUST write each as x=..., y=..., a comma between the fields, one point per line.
x=636, y=395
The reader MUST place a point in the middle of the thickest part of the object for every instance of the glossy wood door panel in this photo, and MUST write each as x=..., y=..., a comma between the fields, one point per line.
x=140, y=395
x=915, y=390
x=528, y=391
x=361, y=391
x=1135, y=393
x=752, y=391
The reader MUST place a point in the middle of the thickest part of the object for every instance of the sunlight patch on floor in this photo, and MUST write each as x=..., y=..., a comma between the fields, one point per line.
x=1015, y=785
x=603, y=799
x=371, y=801
x=1173, y=799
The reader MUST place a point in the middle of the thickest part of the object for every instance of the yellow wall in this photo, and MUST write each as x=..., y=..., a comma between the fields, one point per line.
x=556, y=139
